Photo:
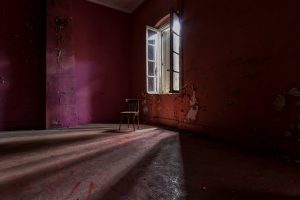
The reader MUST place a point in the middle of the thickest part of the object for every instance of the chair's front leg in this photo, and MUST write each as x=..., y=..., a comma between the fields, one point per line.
x=138, y=120
x=133, y=122
x=128, y=118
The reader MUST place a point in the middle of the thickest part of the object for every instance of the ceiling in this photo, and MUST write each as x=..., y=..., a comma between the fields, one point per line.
x=127, y=6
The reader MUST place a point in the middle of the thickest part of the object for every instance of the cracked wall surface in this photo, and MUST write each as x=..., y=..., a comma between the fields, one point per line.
x=61, y=110
x=242, y=62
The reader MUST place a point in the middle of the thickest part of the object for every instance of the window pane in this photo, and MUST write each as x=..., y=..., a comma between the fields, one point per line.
x=176, y=24
x=151, y=84
x=176, y=81
x=176, y=42
x=176, y=62
x=167, y=81
x=152, y=35
x=151, y=52
x=151, y=69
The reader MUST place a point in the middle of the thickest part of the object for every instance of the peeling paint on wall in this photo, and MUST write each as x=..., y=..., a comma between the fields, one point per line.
x=56, y=123
x=60, y=25
x=194, y=107
x=60, y=94
x=2, y=81
x=294, y=92
x=144, y=103
x=279, y=103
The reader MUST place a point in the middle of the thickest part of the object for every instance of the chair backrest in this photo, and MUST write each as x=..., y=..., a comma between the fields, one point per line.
x=133, y=105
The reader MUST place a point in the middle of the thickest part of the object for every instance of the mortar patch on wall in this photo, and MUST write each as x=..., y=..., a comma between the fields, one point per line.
x=3, y=81
x=194, y=106
x=60, y=24
x=144, y=103
x=57, y=123
x=294, y=92
x=279, y=103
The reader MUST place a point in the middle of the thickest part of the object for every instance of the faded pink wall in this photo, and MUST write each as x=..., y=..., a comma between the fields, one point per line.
x=61, y=110
x=101, y=45
x=22, y=58
x=237, y=56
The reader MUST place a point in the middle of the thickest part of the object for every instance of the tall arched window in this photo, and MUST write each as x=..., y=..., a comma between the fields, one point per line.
x=163, y=68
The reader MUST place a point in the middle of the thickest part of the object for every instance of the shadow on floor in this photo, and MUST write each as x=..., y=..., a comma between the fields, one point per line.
x=191, y=168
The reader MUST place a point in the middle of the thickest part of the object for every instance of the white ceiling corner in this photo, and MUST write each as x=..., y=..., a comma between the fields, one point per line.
x=127, y=6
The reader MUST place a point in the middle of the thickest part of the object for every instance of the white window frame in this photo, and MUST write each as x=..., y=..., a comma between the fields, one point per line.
x=174, y=15
x=158, y=59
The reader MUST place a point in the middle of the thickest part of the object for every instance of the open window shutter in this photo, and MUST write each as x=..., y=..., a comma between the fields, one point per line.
x=153, y=59
x=175, y=68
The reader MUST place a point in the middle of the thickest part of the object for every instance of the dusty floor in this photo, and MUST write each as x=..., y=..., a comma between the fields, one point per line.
x=98, y=162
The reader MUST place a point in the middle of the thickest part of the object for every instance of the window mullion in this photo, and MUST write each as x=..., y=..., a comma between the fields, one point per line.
x=175, y=56
x=171, y=51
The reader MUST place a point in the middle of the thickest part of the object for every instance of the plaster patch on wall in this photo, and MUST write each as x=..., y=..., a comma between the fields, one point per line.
x=56, y=123
x=229, y=102
x=192, y=114
x=60, y=24
x=144, y=103
x=294, y=92
x=58, y=55
x=237, y=92
x=294, y=131
x=287, y=134
x=2, y=81
x=279, y=103
x=145, y=108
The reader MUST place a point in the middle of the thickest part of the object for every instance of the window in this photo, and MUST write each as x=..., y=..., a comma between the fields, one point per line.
x=163, y=57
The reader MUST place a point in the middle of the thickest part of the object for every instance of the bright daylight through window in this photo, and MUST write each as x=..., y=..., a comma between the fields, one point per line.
x=163, y=57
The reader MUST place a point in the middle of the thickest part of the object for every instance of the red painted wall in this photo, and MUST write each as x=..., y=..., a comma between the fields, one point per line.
x=101, y=46
x=237, y=56
x=41, y=85
x=60, y=88
x=22, y=58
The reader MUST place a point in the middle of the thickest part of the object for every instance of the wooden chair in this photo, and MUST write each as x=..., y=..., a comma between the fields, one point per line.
x=133, y=111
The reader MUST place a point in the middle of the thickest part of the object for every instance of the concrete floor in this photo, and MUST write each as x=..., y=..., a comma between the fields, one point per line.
x=98, y=162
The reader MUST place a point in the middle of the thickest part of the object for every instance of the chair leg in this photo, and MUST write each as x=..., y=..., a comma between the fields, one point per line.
x=133, y=122
x=120, y=123
x=128, y=120
x=138, y=119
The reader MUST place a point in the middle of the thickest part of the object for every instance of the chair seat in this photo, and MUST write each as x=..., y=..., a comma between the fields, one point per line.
x=130, y=112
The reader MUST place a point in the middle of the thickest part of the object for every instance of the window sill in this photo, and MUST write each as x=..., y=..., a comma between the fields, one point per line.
x=164, y=93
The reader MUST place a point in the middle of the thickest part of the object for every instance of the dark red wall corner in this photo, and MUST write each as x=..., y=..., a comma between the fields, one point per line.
x=22, y=71
x=101, y=45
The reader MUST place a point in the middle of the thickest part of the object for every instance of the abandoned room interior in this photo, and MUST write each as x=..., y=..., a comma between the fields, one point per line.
x=149, y=100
